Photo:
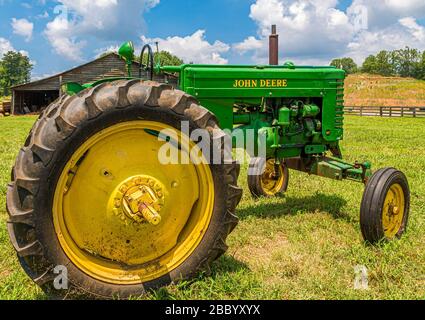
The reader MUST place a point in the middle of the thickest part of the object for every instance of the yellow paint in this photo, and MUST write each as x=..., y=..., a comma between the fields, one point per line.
x=140, y=202
x=96, y=224
x=393, y=211
x=270, y=185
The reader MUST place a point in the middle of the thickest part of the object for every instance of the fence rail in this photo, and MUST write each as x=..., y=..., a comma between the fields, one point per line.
x=415, y=112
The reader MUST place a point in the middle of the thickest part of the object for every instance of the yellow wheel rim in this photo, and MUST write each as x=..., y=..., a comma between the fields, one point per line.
x=270, y=185
x=109, y=178
x=393, y=211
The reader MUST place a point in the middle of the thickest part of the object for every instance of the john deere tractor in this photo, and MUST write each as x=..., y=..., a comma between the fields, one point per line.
x=90, y=195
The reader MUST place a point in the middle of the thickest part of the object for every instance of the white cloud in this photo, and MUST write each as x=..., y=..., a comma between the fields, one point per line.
x=43, y=15
x=99, y=52
x=194, y=48
x=35, y=77
x=308, y=29
x=26, y=5
x=250, y=43
x=103, y=20
x=397, y=36
x=385, y=13
x=23, y=27
x=317, y=31
x=5, y=46
x=415, y=29
x=60, y=35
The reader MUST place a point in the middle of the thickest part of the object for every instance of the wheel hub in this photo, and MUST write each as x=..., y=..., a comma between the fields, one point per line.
x=272, y=179
x=122, y=217
x=139, y=200
x=393, y=211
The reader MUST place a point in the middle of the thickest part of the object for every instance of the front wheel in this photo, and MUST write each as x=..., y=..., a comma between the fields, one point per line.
x=266, y=178
x=385, y=206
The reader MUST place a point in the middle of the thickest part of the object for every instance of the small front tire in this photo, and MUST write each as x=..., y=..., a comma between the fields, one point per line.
x=263, y=180
x=385, y=206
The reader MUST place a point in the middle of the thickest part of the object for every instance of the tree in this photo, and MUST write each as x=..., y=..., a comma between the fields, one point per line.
x=405, y=62
x=422, y=67
x=167, y=59
x=164, y=58
x=370, y=65
x=15, y=68
x=408, y=62
x=385, y=64
x=346, y=64
x=382, y=64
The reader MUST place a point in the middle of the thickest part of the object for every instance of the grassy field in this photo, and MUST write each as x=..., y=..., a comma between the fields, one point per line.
x=302, y=246
x=376, y=91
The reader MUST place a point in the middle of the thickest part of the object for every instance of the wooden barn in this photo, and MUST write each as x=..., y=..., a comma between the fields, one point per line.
x=35, y=96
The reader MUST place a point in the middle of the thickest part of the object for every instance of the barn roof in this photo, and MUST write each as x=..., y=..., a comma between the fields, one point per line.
x=52, y=82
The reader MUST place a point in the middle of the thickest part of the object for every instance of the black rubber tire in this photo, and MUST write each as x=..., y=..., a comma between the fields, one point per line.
x=373, y=203
x=255, y=173
x=59, y=132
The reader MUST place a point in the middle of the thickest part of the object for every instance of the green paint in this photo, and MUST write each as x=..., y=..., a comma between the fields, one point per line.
x=337, y=169
x=289, y=110
x=126, y=51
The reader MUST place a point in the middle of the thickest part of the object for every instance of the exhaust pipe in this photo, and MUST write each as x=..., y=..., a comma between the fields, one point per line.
x=274, y=47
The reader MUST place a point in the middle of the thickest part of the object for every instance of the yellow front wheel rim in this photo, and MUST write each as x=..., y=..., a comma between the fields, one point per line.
x=393, y=211
x=269, y=183
x=109, y=178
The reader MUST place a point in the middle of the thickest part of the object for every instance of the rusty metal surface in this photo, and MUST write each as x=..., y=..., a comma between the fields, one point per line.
x=274, y=47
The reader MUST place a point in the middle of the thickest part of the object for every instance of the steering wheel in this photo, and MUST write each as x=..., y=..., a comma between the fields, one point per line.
x=150, y=63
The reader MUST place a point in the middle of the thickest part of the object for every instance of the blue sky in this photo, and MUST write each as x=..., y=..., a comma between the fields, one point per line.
x=58, y=35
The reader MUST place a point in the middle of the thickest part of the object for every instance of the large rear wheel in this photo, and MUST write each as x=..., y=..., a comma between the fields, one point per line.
x=90, y=191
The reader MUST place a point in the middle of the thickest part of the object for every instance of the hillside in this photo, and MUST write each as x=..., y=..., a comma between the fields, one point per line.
x=370, y=90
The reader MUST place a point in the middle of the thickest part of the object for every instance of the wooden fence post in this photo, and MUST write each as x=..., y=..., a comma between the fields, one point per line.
x=414, y=112
x=60, y=86
x=12, y=108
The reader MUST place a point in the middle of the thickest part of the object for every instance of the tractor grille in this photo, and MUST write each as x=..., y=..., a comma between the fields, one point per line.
x=339, y=109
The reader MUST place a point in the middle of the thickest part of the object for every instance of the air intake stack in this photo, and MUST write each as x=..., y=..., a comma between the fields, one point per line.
x=274, y=47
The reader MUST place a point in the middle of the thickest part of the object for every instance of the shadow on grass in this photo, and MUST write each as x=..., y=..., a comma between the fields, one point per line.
x=228, y=264
x=292, y=206
x=222, y=267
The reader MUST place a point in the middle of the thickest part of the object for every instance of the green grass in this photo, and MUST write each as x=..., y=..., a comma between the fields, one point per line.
x=302, y=246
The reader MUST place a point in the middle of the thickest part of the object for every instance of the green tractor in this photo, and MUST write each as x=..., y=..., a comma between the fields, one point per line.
x=89, y=192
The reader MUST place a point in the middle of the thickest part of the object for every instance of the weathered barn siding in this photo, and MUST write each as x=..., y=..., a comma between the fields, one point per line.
x=99, y=69
x=34, y=96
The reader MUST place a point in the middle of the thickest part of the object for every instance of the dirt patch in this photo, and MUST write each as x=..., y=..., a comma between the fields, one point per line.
x=258, y=253
x=5, y=273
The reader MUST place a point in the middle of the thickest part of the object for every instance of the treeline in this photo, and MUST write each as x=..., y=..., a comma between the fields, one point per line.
x=15, y=68
x=405, y=62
